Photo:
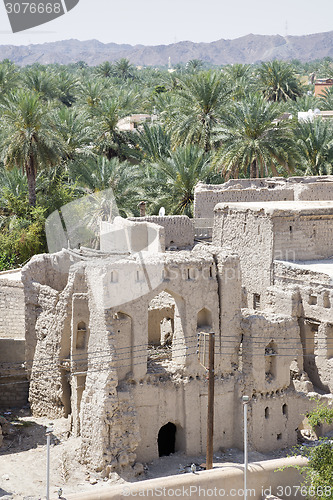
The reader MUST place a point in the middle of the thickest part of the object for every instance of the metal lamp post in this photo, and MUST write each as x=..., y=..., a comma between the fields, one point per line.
x=49, y=430
x=245, y=400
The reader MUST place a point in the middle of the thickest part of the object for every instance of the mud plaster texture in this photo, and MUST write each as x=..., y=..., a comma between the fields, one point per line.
x=207, y=196
x=117, y=343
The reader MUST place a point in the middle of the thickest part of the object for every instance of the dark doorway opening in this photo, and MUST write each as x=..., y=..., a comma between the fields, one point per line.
x=166, y=440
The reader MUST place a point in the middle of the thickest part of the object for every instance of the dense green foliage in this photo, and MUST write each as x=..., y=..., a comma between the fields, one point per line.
x=318, y=474
x=60, y=136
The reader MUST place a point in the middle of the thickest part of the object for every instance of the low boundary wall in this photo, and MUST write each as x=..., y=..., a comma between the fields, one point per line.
x=225, y=482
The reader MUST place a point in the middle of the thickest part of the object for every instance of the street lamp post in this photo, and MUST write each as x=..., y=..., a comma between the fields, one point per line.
x=49, y=430
x=245, y=400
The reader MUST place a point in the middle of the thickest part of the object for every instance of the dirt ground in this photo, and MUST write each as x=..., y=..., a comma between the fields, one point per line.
x=23, y=461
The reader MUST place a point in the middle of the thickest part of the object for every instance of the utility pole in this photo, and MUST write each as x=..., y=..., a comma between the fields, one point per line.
x=210, y=413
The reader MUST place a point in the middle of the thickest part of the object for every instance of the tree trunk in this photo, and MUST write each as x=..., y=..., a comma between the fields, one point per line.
x=31, y=178
x=253, y=169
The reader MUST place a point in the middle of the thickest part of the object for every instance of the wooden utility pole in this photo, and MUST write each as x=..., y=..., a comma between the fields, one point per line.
x=210, y=413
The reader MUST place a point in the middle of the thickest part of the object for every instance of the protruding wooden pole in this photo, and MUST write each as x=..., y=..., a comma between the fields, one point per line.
x=210, y=414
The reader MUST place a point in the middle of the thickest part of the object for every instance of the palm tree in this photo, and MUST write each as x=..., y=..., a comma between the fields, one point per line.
x=326, y=99
x=279, y=82
x=315, y=143
x=92, y=92
x=241, y=80
x=13, y=181
x=253, y=142
x=194, y=65
x=171, y=181
x=109, y=140
x=124, y=69
x=30, y=142
x=154, y=142
x=105, y=70
x=304, y=103
x=9, y=77
x=74, y=126
x=197, y=109
x=325, y=69
x=42, y=82
x=101, y=174
x=66, y=88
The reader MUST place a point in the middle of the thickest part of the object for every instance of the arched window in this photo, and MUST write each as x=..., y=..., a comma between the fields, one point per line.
x=204, y=318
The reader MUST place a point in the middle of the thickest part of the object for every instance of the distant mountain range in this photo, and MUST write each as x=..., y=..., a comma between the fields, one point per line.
x=247, y=49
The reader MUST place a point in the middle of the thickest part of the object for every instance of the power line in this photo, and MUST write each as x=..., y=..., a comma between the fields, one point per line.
x=223, y=340
x=132, y=354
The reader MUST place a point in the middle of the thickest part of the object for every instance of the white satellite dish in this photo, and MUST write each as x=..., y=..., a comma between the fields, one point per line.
x=316, y=111
x=161, y=212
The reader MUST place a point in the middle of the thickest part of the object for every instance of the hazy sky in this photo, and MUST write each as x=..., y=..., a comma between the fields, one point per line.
x=153, y=22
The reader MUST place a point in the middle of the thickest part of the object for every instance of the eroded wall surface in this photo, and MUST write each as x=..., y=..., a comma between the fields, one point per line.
x=207, y=196
x=12, y=319
x=178, y=229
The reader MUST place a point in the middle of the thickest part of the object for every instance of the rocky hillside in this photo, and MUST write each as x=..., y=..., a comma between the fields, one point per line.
x=247, y=49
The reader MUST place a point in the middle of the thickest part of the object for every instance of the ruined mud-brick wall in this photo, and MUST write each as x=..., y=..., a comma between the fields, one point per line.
x=248, y=234
x=315, y=191
x=204, y=279
x=271, y=345
x=109, y=428
x=307, y=235
x=13, y=381
x=263, y=232
x=12, y=309
x=182, y=400
x=206, y=196
x=48, y=290
x=179, y=229
x=14, y=391
x=312, y=296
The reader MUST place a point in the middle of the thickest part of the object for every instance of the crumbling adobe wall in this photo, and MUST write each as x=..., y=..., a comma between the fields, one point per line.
x=182, y=400
x=206, y=196
x=312, y=295
x=271, y=348
x=48, y=287
x=248, y=234
x=12, y=319
x=275, y=417
x=271, y=343
x=262, y=233
x=315, y=190
x=46, y=393
x=179, y=229
x=13, y=382
x=49, y=271
x=304, y=236
x=161, y=308
x=109, y=428
x=115, y=426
